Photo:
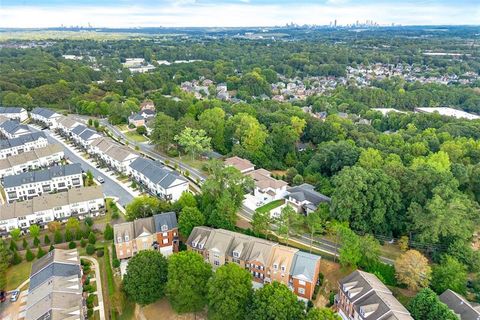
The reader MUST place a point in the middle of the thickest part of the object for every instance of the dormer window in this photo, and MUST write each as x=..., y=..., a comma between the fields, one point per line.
x=194, y=244
x=127, y=238
x=236, y=254
x=283, y=268
x=164, y=227
x=119, y=239
x=275, y=266
x=200, y=246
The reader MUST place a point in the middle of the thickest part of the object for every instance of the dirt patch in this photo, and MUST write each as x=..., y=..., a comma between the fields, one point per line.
x=163, y=310
x=243, y=224
x=332, y=272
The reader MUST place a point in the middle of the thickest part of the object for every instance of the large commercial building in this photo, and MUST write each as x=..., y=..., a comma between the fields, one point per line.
x=76, y=202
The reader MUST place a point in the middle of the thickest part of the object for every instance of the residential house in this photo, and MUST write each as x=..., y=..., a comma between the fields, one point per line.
x=66, y=124
x=12, y=128
x=84, y=136
x=147, y=105
x=243, y=165
x=266, y=261
x=24, y=143
x=266, y=188
x=304, y=199
x=28, y=185
x=362, y=296
x=115, y=155
x=76, y=202
x=14, y=113
x=31, y=160
x=158, y=179
x=159, y=232
x=136, y=119
x=464, y=309
x=45, y=116
x=56, y=287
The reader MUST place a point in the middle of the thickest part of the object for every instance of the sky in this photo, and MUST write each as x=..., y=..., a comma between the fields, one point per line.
x=233, y=13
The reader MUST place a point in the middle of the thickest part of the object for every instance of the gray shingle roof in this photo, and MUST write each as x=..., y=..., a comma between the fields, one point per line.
x=459, y=305
x=47, y=113
x=15, y=142
x=79, y=129
x=42, y=175
x=87, y=134
x=156, y=173
x=12, y=126
x=11, y=110
x=303, y=266
x=53, y=270
x=167, y=218
x=307, y=192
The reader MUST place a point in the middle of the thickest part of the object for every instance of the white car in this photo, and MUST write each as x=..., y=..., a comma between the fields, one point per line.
x=14, y=295
x=100, y=179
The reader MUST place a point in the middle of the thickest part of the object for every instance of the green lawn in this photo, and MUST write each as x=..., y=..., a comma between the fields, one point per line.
x=271, y=205
x=17, y=274
x=134, y=136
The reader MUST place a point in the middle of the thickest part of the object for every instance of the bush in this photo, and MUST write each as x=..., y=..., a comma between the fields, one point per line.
x=90, y=313
x=46, y=239
x=25, y=244
x=114, y=252
x=88, y=288
x=68, y=235
x=384, y=272
x=51, y=248
x=321, y=277
x=100, y=253
x=13, y=245
x=116, y=263
x=90, y=249
x=141, y=130
x=58, y=237
x=83, y=243
x=331, y=299
x=29, y=256
x=36, y=242
x=89, y=221
x=91, y=238
x=16, y=258
x=90, y=300
x=108, y=233
x=40, y=253
x=72, y=245
x=310, y=304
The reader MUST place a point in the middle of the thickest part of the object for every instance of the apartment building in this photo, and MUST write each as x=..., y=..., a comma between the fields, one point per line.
x=24, y=143
x=76, y=202
x=158, y=179
x=362, y=296
x=159, y=232
x=267, y=261
x=14, y=113
x=45, y=117
x=115, y=155
x=267, y=189
x=243, y=165
x=28, y=185
x=56, y=287
x=66, y=124
x=84, y=136
x=12, y=128
x=31, y=160
x=304, y=199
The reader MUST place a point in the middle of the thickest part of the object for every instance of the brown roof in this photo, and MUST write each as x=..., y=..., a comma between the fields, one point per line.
x=263, y=180
x=239, y=163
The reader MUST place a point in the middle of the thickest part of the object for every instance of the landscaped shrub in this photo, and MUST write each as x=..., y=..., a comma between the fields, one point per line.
x=58, y=237
x=46, y=239
x=72, y=245
x=100, y=253
x=16, y=258
x=40, y=253
x=90, y=300
x=91, y=238
x=89, y=221
x=384, y=272
x=83, y=243
x=321, y=277
x=29, y=255
x=13, y=245
x=24, y=244
x=90, y=249
x=36, y=242
x=116, y=263
x=331, y=299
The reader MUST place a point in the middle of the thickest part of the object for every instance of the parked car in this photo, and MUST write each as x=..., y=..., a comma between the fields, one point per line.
x=100, y=179
x=3, y=296
x=14, y=295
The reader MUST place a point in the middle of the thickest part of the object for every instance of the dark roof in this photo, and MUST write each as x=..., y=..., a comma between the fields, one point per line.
x=79, y=129
x=15, y=142
x=459, y=305
x=156, y=172
x=306, y=192
x=11, y=109
x=87, y=134
x=167, y=218
x=12, y=126
x=42, y=175
x=304, y=266
x=46, y=113
x=136, y=117
x=55, y=269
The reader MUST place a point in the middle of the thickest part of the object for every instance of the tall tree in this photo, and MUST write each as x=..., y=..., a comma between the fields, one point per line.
x=188, y=275
x=164, y=130
x=249, y=133
x=5, y=257
x=146, y=277
x=190, y=217
x=316, y=221
x=322, y=314
x=427, y=306
x=275, y=301
x=449, y=274
x=288, y=222
x=413, y=270
x=229, y=293
x=213, y=122
x=145, y=206
x=193, y=141
x=350, y=252
x=261, y=221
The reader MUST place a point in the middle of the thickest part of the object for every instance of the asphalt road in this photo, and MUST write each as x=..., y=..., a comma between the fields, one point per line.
x=110, y=188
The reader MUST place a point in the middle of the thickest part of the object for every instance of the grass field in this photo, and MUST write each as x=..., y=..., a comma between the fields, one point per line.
x=132, y=135
x=17, y=274
x=271, y=205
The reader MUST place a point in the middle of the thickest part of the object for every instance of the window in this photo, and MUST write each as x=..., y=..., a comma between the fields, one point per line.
x=165, y=241
x=275, y=266
x=200, y=246
x=236, y=254
x=301, y=282
x=283, y=268
x=301, y=290
x=194, y=244
x=126, y=238
x=216, y=262
x=119, y=239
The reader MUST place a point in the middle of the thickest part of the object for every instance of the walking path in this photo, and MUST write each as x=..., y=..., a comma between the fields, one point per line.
x=98, y=280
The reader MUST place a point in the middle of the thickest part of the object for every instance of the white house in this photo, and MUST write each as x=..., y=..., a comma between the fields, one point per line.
x=19, y=114
x=31, y=160
x=12, y=128
x=267, y=189
x=24, y=143
x=76, y=202
x=83, y=135
x=158, y=179
x=28, y=185
x=45, y=116
x=66, y=124
x=114, y=154
x=304, y=199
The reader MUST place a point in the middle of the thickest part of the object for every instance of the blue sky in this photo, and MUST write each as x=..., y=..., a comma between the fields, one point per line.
x=230, y=13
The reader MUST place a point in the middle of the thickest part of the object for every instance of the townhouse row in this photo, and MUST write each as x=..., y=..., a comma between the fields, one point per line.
x=31, y=160
x=14, y=113
x=159, y=232
x=45, y=117
x=267, y=261
x=12, y=128
x=24, y=143
x=28, y=185
x=76, y=202
x=56, y=287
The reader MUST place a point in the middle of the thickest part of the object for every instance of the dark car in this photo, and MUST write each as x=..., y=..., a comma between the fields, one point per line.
x=3, y=296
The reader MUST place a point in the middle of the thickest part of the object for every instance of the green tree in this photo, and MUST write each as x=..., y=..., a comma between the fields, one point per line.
x=16, y=258
x=229, y=292
x=145, y=206
x=190, y=217
x=5, y=257
x=322, y=314
x=350, y=252
x=46, y=239
x=91, y=238
x=40, y=253
x=289, y=222
x=108, y=232
x=449, y=274
x=370, y=248
x=261, y=221
x=188, y=275
x=24, y=243
x=29, y=255
x=427, y=306
x=316, y=221
x=90, y=249
x=213, y=122
x=15, y=234
x=187, y=199
x=72, y=224
x=164, y=130
x=193, y=141
x=275, y=301
x=249, y=133
x=58, y=237
x=146, y=277
x=34, y=230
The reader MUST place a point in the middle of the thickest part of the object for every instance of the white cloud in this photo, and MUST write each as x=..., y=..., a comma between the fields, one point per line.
x=179, y=13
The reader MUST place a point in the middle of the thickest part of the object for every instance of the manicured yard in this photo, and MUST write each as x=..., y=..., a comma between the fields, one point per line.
x=132, y=135
x=17, y=274
x=162, y=310
x=271, y=205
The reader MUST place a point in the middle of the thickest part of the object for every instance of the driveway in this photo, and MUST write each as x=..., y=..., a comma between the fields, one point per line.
x=111, y=187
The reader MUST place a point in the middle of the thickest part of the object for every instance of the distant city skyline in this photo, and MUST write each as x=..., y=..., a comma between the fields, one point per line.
x=233, y=13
